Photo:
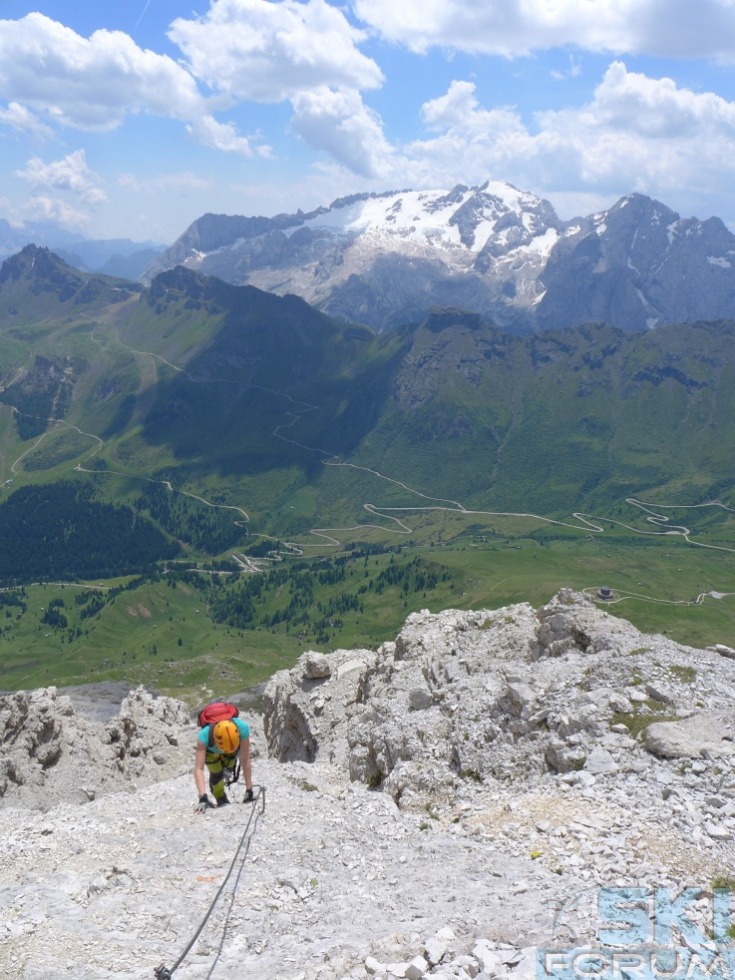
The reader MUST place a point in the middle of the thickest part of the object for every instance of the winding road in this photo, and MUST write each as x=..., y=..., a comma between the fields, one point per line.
x=390, y=519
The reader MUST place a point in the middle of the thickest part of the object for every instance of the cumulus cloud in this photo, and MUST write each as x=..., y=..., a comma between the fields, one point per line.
x=44, y=208
x=242, y=50
x=303, y=53
x=486, y=141
x=656, y=108
x=459, y=111
x=636, y=133
x=673, y=28
x=94, y=83
x=71, y=173
x=647, y=133
x=340, y=124
x=269, y=52
x=19, y=118
x=223, y=136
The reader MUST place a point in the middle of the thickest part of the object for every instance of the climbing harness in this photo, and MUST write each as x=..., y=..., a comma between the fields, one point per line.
x=163, y=972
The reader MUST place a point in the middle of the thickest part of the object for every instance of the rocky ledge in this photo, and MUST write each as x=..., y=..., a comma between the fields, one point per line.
x=444, y=807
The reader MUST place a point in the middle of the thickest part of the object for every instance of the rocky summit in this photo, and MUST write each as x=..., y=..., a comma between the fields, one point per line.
x=451, y=805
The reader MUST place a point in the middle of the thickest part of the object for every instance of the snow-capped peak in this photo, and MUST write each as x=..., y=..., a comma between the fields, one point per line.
x=461, y=217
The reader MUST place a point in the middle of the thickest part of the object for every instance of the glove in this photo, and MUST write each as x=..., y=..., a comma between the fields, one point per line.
x=248, y=798
x=204, y=803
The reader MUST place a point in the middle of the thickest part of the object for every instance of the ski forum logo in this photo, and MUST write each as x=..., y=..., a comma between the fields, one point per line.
x=643, y=934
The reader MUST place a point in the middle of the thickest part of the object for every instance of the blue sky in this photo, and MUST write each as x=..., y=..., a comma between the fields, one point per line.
x=132, y=119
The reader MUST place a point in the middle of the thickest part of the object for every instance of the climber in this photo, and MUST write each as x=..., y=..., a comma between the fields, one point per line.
x=218, y=747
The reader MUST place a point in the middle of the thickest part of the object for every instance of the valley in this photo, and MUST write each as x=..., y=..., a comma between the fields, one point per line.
x=187, y=631
x=257, y=479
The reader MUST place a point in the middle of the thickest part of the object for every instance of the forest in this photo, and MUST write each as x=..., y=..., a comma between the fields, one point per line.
x=59, y=532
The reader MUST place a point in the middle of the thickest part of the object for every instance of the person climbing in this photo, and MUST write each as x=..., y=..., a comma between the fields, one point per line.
x=218, y=748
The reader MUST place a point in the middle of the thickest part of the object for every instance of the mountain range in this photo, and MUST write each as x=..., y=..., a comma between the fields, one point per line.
x=114, y=256
x=263, y=403
x=387, y=259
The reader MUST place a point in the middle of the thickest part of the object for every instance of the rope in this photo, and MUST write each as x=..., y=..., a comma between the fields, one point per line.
x=164, y=973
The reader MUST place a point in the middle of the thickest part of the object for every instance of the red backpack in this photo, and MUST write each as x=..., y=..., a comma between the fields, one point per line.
x=215, y=711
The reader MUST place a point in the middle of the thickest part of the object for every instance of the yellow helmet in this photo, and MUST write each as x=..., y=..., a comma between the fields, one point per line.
x=226, y=736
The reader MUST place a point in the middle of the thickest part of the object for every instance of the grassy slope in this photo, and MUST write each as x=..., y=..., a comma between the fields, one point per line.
x=137, y=637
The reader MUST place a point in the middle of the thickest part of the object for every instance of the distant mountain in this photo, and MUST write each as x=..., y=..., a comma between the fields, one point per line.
x=13, y=237
x=132, y=265
x=385, y=259
x=116, y=256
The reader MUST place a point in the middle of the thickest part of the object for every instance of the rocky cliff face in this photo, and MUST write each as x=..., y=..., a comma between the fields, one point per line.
x=442, y=807
x=637, y=266
x=386, y=259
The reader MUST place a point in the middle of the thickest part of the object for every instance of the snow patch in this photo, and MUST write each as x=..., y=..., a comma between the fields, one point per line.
x=412, y=214
x=543, y=244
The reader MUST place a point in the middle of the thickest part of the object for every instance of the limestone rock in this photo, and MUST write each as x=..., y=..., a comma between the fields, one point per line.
x=441, y=808
x=484, y=695
x=701, y=735
x=48, y=746
x=599, y=762
x=316, y=665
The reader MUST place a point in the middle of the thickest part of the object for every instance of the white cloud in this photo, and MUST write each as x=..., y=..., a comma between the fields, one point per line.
x=94, y=83
x=340, y=124
x=71, y=173
x=655, y=108
x=472, y=140
x=636, y=133
x=20, y=119
x=223, y=136
x=674, y=28
x=647, y=134
x=42, y=208
x=269, y=52
x=305, y=53
x=459, y=111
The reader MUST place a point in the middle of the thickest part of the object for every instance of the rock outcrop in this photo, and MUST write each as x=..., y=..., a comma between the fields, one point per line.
x=513, y=695
x=443, y=807
x=52, y=754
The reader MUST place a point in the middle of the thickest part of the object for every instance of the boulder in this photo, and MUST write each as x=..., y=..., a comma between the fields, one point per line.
x=706, y=735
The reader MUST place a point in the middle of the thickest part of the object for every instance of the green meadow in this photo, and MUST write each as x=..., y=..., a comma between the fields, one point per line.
x=165, y=634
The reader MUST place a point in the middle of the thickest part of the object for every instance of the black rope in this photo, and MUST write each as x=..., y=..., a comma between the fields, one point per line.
x=164, y=973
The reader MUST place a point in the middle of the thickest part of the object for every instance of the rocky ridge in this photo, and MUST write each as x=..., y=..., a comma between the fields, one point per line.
x=442, y=807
